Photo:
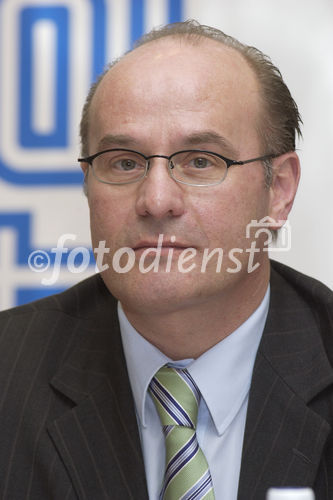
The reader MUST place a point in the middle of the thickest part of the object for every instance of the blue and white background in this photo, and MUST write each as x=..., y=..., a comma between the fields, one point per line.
x=51, y=51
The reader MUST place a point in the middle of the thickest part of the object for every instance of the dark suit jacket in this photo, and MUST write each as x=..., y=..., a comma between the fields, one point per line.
x=68, y=428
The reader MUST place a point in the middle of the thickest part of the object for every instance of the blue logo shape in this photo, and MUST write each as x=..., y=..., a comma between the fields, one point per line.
x=28, y=137
x=33, y=155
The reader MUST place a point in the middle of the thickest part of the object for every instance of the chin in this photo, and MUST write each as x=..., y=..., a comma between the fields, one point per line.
x=163, y=292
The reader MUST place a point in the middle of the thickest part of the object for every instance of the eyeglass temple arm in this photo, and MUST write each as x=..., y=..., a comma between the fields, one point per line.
x=259, y=158
x=89, y=160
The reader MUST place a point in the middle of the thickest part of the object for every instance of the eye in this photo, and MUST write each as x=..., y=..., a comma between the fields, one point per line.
x=200, y=162
x=195, y=161
x=127, y=164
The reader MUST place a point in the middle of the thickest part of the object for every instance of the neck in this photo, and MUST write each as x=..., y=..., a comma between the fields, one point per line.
x=188, y=332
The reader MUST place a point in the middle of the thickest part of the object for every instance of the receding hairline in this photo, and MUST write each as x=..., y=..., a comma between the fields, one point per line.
x=190, y=40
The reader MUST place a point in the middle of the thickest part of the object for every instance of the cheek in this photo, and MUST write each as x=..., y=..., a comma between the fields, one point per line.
x=225, y=215
x=107, y=215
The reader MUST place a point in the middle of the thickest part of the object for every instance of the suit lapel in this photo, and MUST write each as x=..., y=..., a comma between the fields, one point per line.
x=100, y=448
x=98, y=438
x=284, y=437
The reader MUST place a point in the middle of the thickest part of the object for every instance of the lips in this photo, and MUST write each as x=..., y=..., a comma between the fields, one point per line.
x=162, y=243
x=155, y=244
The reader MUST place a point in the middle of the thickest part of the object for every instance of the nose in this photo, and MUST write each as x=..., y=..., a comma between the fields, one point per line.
x=158, y=194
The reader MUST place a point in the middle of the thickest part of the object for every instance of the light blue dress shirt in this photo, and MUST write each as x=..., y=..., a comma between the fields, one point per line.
x=223, y=375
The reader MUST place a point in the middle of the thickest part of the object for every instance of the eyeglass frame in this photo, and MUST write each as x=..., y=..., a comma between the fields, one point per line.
x=228, y=162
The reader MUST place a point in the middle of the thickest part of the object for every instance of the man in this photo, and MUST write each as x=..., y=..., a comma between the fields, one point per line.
x=186, y=141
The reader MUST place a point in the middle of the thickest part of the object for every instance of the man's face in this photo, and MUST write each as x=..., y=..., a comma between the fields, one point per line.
x=165, y=97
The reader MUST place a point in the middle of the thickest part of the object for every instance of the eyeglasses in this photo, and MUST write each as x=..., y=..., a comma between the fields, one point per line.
x=190, y=167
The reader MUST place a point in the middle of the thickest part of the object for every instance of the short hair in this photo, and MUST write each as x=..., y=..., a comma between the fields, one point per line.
x=280, y=119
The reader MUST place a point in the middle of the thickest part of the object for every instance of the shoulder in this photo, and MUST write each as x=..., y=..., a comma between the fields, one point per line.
x=311, y=290
x=298, y=300
x=53, y=325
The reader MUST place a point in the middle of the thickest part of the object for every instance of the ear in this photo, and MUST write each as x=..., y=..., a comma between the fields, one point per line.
x=286, y=175
x=85, y=167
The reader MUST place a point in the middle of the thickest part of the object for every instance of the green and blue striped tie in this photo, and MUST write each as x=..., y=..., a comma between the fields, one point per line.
x=176, y=397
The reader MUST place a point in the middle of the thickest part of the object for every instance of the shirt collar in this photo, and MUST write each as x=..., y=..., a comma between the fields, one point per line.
x=224, y=386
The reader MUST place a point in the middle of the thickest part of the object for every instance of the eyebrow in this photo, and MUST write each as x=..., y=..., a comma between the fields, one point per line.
x=196, y=139
x=116, y=140
x=210, y=137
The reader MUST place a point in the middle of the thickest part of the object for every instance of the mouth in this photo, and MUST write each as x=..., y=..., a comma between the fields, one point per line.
x=160, y=245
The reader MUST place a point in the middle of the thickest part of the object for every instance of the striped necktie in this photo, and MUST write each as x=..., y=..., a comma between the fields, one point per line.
x=176, y=397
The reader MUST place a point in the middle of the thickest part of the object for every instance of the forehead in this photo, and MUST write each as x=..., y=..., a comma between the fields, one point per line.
x=171, y=76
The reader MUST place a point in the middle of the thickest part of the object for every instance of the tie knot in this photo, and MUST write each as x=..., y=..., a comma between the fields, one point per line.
x=176, y=397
